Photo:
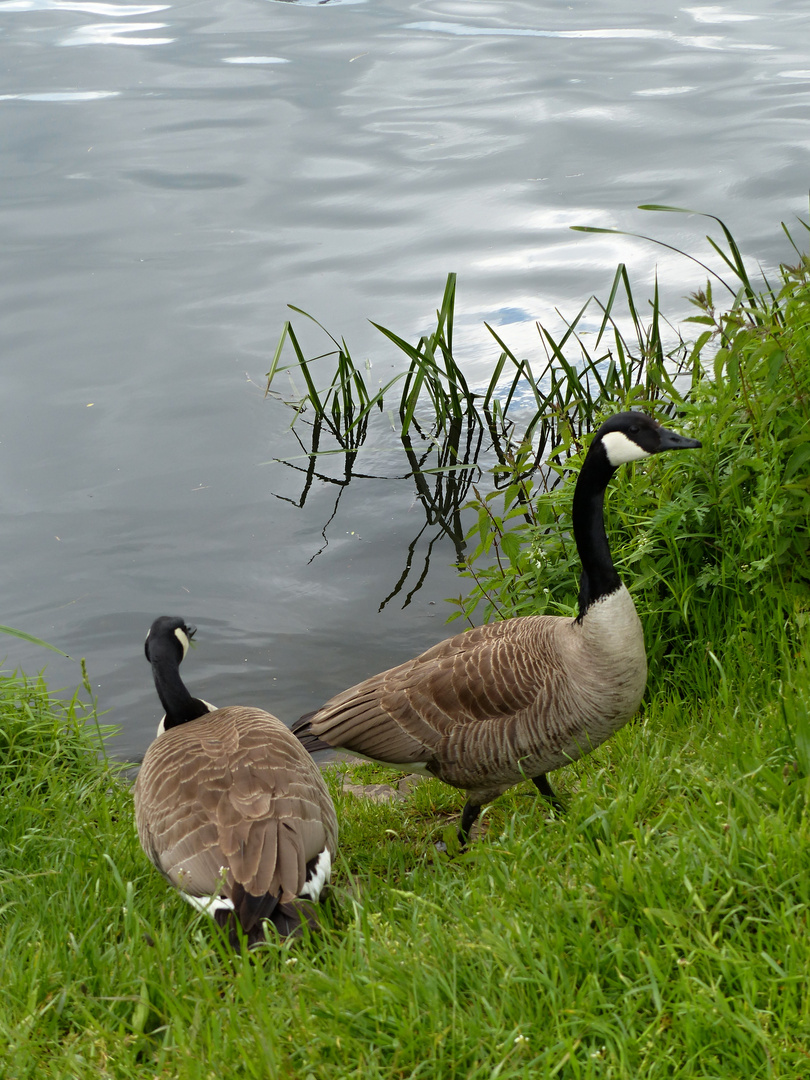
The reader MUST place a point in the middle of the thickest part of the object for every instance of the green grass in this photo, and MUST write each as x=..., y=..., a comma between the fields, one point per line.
x=659, y=929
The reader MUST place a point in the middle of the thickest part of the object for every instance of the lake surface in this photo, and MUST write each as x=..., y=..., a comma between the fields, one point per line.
x=175, y=174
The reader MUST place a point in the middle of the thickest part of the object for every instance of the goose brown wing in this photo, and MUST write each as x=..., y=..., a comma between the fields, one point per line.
x=486, y=674
x=232, y=798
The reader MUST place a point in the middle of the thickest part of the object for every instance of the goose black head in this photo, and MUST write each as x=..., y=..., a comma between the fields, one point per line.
x=632, y=436
x=166, y=645
x=168, y=634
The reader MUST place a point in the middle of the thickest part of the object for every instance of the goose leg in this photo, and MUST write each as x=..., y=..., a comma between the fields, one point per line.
x=543, y=786
x=468, y=818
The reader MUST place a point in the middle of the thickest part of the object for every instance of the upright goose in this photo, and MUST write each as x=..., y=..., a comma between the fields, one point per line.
x=229, y=806
x=514, y=700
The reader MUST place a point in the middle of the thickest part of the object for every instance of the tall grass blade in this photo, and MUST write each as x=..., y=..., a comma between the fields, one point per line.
x=23, y=636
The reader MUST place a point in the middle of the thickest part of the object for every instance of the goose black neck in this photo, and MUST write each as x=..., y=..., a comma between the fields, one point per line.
x=599, y=577
x=180, y=706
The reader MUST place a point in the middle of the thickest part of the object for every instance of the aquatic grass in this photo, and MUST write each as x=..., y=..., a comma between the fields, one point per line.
x=346, y=401
x=441, y=451
x=443, y=421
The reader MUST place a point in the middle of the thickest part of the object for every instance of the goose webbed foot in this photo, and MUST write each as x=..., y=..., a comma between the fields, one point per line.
x=449, y=845
x=456, y=845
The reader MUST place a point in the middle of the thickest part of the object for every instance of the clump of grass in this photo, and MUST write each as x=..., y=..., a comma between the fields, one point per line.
x=346, y=401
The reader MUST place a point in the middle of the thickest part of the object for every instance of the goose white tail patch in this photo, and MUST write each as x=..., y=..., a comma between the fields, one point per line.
x=208, y=905
x=321, y=873
x=620, y=449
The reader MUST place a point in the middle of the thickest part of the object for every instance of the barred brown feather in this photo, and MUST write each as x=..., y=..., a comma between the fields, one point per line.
x=498, y=704
x=231, y=805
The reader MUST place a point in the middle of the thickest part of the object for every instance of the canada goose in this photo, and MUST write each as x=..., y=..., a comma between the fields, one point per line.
x=513, y=700
x=229, y=806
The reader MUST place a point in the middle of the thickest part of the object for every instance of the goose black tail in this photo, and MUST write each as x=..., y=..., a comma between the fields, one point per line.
x=247, y=917
x=302, y=730
x=252, y=912
x=290, y=919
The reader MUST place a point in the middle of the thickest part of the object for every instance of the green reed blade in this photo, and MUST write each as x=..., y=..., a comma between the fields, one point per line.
x=277, y=356
x=303, y=364
x=653, y=240
x=23, y=636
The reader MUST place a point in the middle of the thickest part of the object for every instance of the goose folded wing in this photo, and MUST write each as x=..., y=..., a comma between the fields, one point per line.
x=484, y=675
x=253, y=816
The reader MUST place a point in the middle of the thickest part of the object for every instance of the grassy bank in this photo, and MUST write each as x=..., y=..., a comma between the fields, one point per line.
x=658, y=929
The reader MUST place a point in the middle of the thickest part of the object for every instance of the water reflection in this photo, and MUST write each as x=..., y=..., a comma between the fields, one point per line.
x=716, y=14
x=496, y=432
x=318, y=3
x=254, y=60
x=115, y=34
x=65, y=95
x=443, y=468
x=114, y=11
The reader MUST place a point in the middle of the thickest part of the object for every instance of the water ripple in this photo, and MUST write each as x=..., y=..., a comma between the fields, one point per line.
x=66, y=95
x=601, y=34
x=319, y=3
x=114, y=11
x=106, y=34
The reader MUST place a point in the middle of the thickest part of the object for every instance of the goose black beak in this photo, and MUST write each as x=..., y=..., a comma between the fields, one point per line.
x=671, y=440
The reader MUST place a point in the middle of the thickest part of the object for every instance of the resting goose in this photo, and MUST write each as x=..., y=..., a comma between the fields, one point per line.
x=229, y=806
x=514, y=700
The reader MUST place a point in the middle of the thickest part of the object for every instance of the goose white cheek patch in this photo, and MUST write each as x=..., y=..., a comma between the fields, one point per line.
x=620, y=449
x=183, y=639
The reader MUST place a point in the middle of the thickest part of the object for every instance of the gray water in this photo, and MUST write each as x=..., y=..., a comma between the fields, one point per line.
x=175, y=174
